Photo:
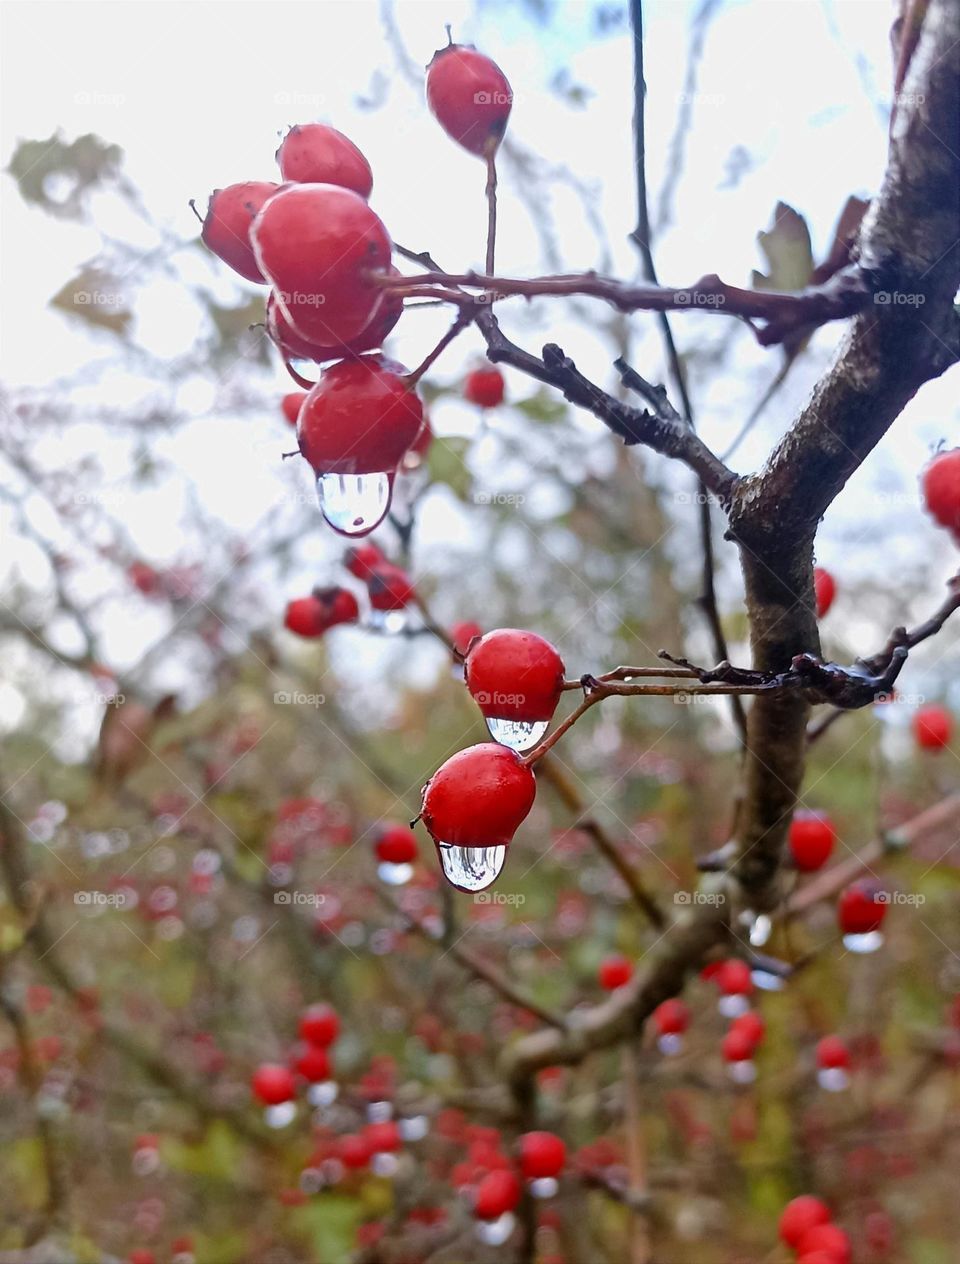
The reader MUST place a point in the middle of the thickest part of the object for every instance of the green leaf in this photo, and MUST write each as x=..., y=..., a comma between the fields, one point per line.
x=329, y=1223
x=447, y=464
x=82, y=166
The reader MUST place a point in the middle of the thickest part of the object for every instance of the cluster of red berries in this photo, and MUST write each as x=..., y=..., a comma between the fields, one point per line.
x=806, y=1227
x=389, y=588
x=491, y=1178
x=276, y=1082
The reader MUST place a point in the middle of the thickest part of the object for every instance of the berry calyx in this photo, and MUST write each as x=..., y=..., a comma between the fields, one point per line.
x=319, y=1025
x=313, y=153
x=861, y=907
x=542, y=1155
x=323, y=609
x=484, y=387
x=273, y=1083
x=470, y=97
x=227, y=223
x=291, y=405
x=932, y=727
x=825, y=589
x=800, y=1216
x=478, y=798
x=671, y=1017
x=940, y=483
x=811, y=839
x=497, y=1193
x=615, y=971
x=360, y=418
x=396, y=845
x=828, y=1239
x=318, y=246
x=514, y=675
x=833, y=1054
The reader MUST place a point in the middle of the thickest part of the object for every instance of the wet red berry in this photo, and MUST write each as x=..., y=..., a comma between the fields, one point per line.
x=614, y=972
x=360, y=418
x=273, y=1083
x=751, y=1026
x=828, y=1239
x=812, y=838
x=323, y=609
x=317, y=245
x=373, y=335
x=514, y=675
x=311, y=1061
x=479, y=797
x=733, y=978
x=484, y=387
x=470, y=97
x=226, y=226
x=362, y=560
x=833, y=1053
x=497, y=1193
x=396, y=845
x=861, y=907
x=291, y=404
x=825, y=589
x=313, y=153
x=932, y=727
x=542, y=1154
x=941, y=489
x=390, y=587
x=319, y=1025
x=354, y=1151
x=737, y=1046
x=800, y=1216
x=671, y=1017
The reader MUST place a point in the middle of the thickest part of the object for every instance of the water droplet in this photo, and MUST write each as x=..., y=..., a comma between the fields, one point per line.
x=760, y=930
x=324, y=1093
x=415, y=1128
x=496, y=1232
x=733, y=1006
x=743, y=1072
x=379, y=1112
x=281, y=1115
x=869, y=942
x=517, y=734
x=471, y=868
x=354, y=504
x=544, y=1187
x=671, y=1044
x=833, y=1079
x=394, y=875
x=389, y=620
x=767, y=981
x=384, y=1164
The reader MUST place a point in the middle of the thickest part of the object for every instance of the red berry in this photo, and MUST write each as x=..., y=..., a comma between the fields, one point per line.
x=932, y=727
x=323, y=609
x=737, y=1045
x=671, y=1017
x=295, y=347
x=360, y=418
x=141, y=1255
x=461, y=634
x=615, y=971
x=273, y=1083
x=317, y=244
x=484, y=387
x=833, y=1053
x=390, y=587
x=941, y=489
x=812, y=837
x=319, y=1025
x=542, y=1154
x=312, y=1062
x=514, y=675
x=800, y=1216
x=383, y=1138
x=825, y=589
x=144, y=578
x=829, y=1239
x=818, y=1257
x=226, y=227
x=291, y=405
x=861, y=907
x=396, y=845
x=470, y=97
x=733, y=978
x=751, y=1026
x=497, y=1193
x=313, y=153
x=479, y=797
x=354, y=1151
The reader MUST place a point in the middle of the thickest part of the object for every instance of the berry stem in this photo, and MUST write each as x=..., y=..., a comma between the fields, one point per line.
x=464, y=318
x=491, y=209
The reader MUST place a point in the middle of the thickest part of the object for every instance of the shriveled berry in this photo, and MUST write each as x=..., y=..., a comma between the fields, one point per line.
x=314, y=153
